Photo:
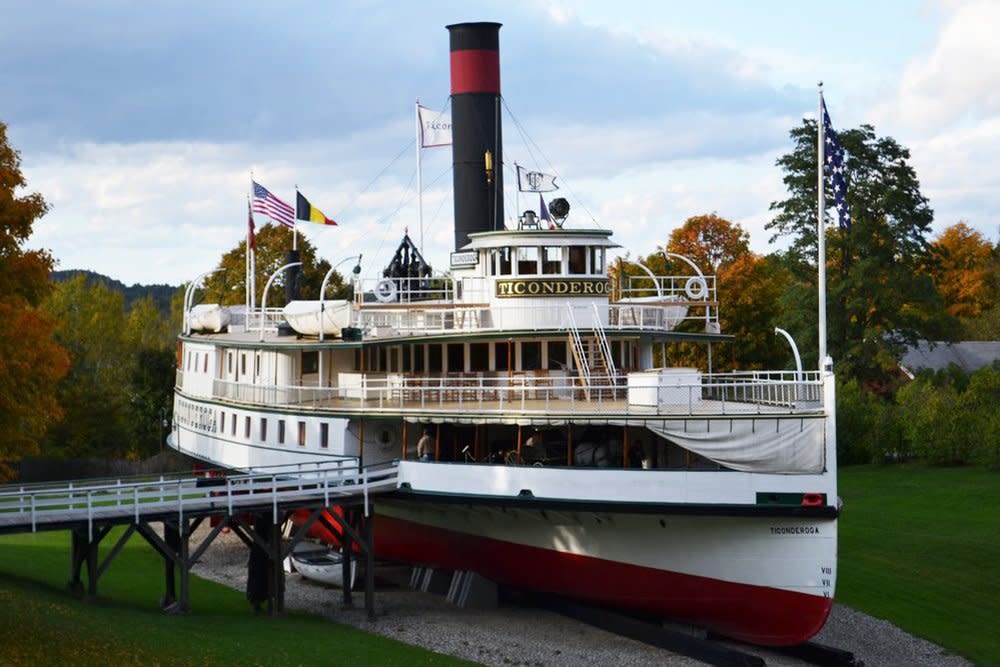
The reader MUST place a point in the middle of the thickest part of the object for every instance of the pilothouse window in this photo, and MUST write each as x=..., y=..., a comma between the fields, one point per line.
x=551, y=260
x=577, y=260
x=527, y=261
x=597, y=261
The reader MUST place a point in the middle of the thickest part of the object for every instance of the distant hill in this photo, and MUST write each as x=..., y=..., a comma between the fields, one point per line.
x=162, y=294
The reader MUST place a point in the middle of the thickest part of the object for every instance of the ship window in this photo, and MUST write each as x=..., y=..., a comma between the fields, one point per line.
x=434, y=358
x=577, y=259
x=456, y=357
x=310, y=362
x=263, y=429
x=407, y=359
x=382, y=365
x=324, y=435
x=246, y=427
x=527, y=261
x=393, y=359
x=597, y=261
x=557, y=355
x=616, y=353
x=205, y=369
x=243, y=364
x=357, y=360
x=229, y=362
x=302, y=434
x=479, y=356
x=502, y=261
x=418, y=358
x=256, y=365
x=551, y=260
x=234, y=424
x=222, y=421
x=502, y=354
x=531, y=355
x=281, y=431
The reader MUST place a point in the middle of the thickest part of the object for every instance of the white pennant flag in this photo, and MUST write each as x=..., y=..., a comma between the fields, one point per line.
x=535, y=181
x=435, y=127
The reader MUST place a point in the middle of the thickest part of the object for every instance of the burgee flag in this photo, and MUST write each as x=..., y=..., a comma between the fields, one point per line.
x=306, y=211
x=266, y=203
x=835, y=164
x=435, y=127
x=535, y=181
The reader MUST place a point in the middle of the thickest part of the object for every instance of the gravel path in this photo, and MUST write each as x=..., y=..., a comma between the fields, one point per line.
x=515, y=635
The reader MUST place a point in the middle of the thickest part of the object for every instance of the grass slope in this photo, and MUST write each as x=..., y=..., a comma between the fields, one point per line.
x=42, y=623
x=921, y=548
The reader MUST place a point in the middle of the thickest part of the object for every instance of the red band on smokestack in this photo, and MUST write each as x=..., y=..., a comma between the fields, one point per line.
x=475, y=71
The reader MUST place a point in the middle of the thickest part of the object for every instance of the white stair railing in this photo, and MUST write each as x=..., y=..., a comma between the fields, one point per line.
x=579, y=352
x=603, y=343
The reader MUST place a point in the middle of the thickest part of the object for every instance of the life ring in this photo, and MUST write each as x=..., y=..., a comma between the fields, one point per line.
x=385, y=290
x=695, y=288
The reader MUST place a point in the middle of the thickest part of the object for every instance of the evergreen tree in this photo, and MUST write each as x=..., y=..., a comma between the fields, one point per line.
x=880, y=296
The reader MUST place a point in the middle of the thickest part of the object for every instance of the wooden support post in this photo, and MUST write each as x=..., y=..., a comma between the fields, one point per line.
x=437, y=443
x=369, y=533
x=277, y=602
x=476, y=447
x=172, y=538
x=185, y=567
x=78, y=556
x=346, y=555
x=519, y=444
x=402, y=455
x=92, y=569
x=625, y=447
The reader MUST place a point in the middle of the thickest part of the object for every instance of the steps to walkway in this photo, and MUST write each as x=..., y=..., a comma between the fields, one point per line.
x=49, y=506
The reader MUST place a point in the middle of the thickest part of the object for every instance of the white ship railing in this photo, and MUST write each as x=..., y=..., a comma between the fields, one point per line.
x=40, y=504
x=760, y=392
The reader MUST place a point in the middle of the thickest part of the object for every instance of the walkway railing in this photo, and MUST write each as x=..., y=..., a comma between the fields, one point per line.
x=723, y=394
x=39, y=505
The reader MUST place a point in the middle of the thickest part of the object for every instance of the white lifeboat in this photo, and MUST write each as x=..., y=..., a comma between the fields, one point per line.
x=304, y=317
x=209, y=317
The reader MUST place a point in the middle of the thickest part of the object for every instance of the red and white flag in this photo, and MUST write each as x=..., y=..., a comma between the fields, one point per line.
x=266, y=203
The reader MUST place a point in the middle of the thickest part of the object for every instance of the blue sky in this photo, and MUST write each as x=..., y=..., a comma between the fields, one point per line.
x=141, y=122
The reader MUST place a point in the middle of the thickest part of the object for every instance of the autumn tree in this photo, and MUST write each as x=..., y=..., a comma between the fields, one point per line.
x=709, y=241
x=31, y=362
x=272, y=242
x=879, y=296
x=966, y=270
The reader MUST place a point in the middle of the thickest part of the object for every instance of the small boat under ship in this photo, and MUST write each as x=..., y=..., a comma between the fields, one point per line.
x=558, y=455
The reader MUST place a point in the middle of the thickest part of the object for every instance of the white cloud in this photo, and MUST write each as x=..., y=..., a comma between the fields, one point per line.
x=959, y=80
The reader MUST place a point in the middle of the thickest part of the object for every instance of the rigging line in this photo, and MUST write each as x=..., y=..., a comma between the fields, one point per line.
x=550, y=165
x=402, y=203
x=408, y=146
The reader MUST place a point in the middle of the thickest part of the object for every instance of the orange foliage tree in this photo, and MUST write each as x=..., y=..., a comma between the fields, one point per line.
x=966, y=271
x=31, y=363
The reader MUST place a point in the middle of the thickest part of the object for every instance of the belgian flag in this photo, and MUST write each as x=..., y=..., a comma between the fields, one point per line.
x=306, y=211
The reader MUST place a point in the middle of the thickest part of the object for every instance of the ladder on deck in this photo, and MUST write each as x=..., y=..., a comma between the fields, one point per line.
x=609, y=371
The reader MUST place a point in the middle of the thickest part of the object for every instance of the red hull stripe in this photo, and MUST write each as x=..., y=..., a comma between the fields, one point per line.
x=756, y=614
x=475, y=71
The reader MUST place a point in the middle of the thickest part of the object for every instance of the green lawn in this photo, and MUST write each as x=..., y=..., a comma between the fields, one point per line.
x=921, y=547
x=42, y=624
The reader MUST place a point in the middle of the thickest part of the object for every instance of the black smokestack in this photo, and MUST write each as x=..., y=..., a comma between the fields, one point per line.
x=475, y=118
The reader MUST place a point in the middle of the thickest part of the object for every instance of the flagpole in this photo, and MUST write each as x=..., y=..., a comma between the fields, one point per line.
x=517, y=194
x=820, y=227
x=420, y=175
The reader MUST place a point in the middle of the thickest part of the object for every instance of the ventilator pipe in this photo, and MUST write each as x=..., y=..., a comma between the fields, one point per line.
x=795, y=351
x=322, y=289
x=263, y=303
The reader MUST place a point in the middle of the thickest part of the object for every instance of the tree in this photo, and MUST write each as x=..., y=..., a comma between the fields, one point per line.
x=966, y=270
x=31, y=363
x=710, y=241
x=880, y=297
x=94, y=394
x=228, y=286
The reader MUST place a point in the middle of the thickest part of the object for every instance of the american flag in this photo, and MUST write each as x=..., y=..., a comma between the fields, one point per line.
x=266, y=203
x=835, y=165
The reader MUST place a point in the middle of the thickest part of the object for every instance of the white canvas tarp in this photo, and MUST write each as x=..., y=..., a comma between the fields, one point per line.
x=750, y=445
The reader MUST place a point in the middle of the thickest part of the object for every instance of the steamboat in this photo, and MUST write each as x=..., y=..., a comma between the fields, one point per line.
x=558, y=452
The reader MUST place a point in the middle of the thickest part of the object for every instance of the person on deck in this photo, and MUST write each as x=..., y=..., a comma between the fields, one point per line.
x=425, y=445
